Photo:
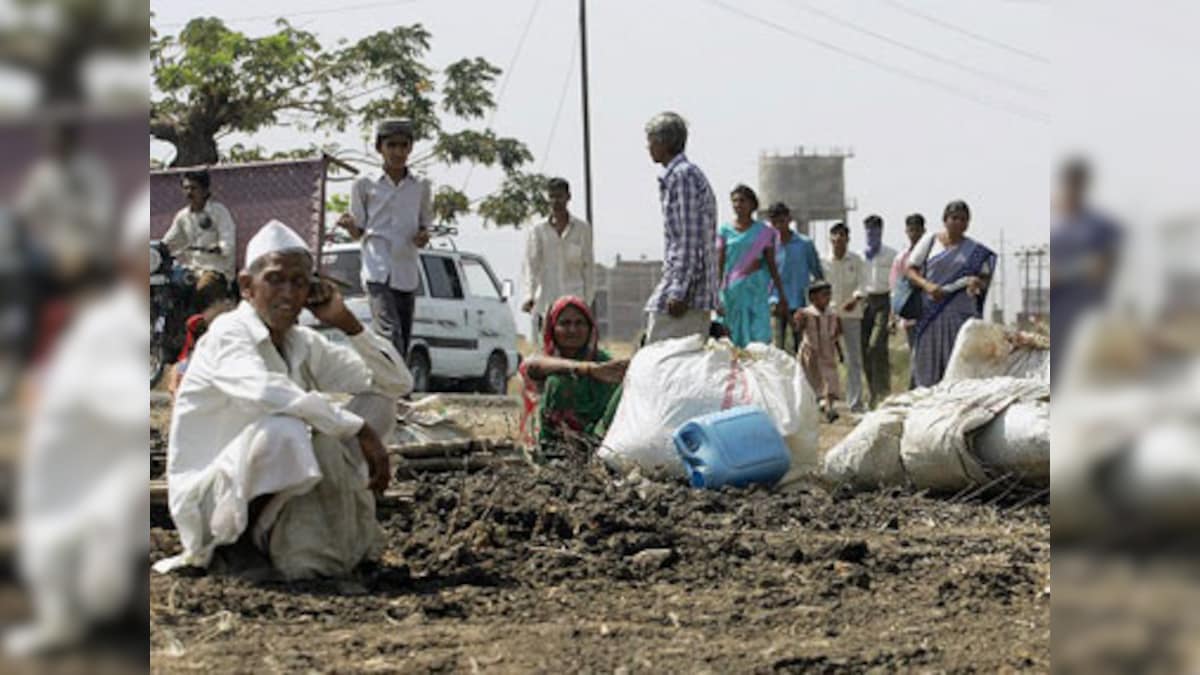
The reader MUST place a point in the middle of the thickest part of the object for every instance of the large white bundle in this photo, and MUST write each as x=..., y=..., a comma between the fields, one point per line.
x=949, y=437
x=984, y=350
x=869, y=457
x=937, y=448
x=1019, y=440
x=671, y=382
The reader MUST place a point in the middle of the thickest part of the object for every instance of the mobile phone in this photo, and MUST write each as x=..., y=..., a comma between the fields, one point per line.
x=319, y=291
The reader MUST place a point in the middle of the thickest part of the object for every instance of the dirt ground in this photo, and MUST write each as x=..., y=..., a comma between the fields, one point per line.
x=565, y=569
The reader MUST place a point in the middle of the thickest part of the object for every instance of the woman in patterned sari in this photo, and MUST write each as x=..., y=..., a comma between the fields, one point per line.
x=746, y=254
x=573, y=385
x=953, y=271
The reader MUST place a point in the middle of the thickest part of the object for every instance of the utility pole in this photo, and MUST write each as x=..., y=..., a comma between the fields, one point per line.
x=587, y=126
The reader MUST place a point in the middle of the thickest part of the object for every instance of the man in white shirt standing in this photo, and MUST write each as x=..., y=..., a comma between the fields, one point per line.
x=559, y=259
x=391, y=214
x=847, y=274
x=258, y=455
x=877, y=312
x=203, y=238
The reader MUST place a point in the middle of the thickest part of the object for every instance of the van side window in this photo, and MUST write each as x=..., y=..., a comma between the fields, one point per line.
x=479, y=280
x=344, y=266
x=443, y=277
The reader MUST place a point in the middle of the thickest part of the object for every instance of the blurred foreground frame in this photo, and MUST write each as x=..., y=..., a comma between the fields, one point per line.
x=1125, y=468
x=62, y=117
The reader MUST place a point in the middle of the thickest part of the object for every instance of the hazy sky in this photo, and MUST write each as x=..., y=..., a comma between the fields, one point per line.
x=973, y=122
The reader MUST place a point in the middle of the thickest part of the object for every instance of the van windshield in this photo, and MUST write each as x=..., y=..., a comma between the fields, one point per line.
x=345, y=267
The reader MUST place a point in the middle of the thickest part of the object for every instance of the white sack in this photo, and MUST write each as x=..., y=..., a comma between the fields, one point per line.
x=984, y=350
x=673, y=381
x=869, y=457
x=1018, y=439
x=937, y=447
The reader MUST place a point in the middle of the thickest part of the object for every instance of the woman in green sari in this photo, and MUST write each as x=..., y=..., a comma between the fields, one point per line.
x=572, y=385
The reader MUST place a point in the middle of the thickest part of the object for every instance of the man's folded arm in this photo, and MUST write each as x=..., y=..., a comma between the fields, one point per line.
x=243, y=376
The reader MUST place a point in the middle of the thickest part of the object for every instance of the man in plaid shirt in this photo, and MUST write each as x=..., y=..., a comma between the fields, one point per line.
x=682, y=303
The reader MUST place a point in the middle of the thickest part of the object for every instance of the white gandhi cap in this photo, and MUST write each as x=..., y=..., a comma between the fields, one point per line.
x=273, y=238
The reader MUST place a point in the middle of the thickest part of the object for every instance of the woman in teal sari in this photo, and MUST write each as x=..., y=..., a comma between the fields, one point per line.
x=572, y=387
x=746, y=251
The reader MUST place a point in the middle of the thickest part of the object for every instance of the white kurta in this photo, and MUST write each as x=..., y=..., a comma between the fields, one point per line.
x=848, y=277
x=82, y=504
x=237, y=388
x=185, y=232
x=556, y=265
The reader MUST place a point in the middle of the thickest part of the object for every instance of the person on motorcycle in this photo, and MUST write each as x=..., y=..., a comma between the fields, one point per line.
x=202, y=238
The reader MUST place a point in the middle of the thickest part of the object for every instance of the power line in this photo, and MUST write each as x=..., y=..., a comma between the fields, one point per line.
x=512, y=62
x=311, y=12
x=966, y=31
x=1013, y=84
x=1019, y=111
x=562, y=97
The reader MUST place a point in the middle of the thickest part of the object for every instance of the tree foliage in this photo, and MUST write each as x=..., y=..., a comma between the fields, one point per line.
x=53, y=40
x=211, y=81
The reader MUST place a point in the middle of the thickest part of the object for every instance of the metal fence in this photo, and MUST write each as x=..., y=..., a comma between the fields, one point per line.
x=291, y=191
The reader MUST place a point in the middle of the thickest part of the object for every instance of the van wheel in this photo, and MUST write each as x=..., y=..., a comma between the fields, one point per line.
x=418, y=365
x=495, y=378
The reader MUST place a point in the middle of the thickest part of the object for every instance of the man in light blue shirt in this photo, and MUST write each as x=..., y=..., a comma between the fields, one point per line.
x=799, y=265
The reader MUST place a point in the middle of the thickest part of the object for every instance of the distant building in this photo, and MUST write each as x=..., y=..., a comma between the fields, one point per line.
x=621, y=294
x=811, y=183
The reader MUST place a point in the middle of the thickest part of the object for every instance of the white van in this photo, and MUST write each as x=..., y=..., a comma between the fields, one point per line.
x=463, y=330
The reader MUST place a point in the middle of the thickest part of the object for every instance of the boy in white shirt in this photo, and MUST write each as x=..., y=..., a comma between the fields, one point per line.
x=391, y=214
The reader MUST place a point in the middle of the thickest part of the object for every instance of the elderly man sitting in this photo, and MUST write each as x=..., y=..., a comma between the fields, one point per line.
x=256, y=451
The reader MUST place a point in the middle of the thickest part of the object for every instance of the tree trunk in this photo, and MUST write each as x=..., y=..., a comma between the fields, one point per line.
x=192, y=149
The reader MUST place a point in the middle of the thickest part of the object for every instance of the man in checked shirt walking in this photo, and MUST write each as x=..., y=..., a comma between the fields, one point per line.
x=682, y=303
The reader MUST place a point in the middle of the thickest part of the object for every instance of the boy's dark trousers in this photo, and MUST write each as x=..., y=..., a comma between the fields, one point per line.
x=875, y=346
x=392, y=311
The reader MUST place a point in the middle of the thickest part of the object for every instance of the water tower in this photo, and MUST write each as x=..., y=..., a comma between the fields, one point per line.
x=812, y=184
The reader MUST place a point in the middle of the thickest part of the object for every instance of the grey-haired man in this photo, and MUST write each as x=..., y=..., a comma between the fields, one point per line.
x=682, y=303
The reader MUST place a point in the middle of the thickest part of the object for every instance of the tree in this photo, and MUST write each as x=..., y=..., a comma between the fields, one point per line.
x=52, y=40
x=212, y=81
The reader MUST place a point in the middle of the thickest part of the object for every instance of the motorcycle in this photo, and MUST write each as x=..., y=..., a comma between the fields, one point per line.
x=170, y=305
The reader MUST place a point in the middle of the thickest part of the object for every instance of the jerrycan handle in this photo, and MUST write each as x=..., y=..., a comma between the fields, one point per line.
x=688, y=440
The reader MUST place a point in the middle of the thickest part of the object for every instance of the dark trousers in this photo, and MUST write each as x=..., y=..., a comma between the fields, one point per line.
x=910, y=334
x=875, y=346
x=392, y=311
x=786, y=337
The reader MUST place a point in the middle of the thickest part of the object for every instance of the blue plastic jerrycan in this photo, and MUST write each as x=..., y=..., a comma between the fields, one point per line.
x=736, y=447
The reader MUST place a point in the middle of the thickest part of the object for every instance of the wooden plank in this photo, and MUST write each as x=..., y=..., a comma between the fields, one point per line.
x=450, y=447
x=158, y=492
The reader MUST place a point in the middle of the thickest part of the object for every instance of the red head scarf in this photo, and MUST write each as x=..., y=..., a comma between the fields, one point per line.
x=549, y=348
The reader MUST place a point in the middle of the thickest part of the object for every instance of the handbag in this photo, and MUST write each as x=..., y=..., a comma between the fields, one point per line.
x=906, y=300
